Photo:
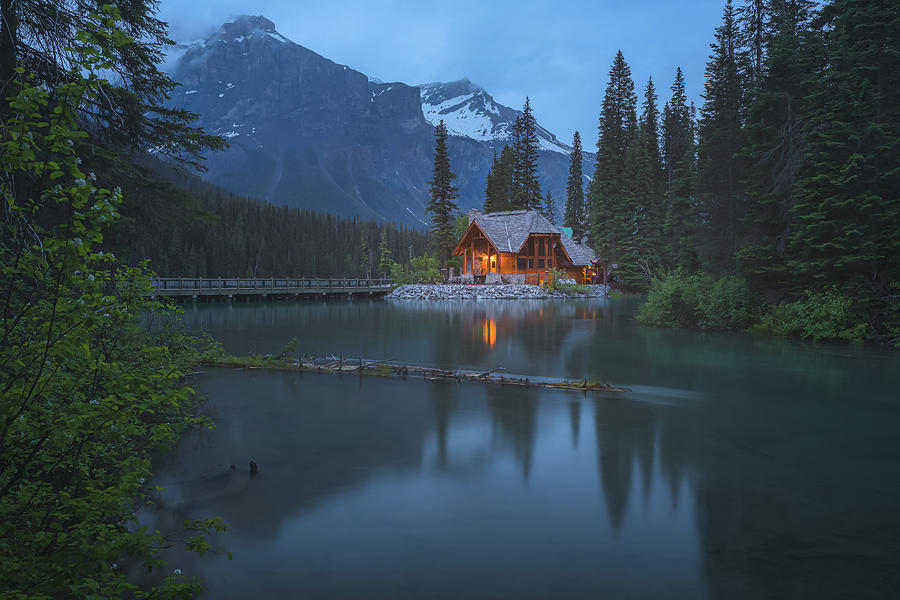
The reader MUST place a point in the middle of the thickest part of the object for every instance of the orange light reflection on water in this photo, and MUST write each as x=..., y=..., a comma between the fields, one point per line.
x=489, y=332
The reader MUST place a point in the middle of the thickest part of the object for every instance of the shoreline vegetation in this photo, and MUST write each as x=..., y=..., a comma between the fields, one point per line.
x=392, y=368
x=92, y=372
x=701, y=302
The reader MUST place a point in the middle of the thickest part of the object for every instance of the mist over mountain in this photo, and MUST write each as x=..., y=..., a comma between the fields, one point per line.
x=307, y=132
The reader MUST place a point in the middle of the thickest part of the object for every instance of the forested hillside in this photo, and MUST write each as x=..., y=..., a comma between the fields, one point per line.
x=187, y=227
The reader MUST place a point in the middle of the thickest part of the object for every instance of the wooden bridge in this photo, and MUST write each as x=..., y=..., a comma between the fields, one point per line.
x=245, y=288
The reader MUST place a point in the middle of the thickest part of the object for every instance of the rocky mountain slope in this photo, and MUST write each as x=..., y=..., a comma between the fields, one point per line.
x=469, y=111
x=305, y=131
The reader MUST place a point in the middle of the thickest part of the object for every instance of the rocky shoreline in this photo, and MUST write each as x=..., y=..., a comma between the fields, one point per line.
x=488, y=292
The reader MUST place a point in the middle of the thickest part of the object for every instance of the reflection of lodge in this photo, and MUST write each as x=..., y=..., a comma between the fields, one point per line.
x=521, y=246
x=521, y=328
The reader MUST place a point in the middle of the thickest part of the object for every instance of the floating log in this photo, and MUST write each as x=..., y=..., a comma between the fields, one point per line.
x=389, y=368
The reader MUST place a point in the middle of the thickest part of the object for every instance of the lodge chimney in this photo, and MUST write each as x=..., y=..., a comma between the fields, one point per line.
x=474, y=212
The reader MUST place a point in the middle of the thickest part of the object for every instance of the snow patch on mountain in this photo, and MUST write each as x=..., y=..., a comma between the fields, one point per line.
x=469, y=111
x=465, y=117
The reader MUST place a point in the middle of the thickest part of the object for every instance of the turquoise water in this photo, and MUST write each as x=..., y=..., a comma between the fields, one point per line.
x=737, y=467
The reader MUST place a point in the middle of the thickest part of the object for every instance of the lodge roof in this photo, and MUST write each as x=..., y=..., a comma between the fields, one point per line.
x=509, y=230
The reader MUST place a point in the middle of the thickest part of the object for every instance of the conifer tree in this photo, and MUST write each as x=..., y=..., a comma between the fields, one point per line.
x=678, y=154
x=385, y=261
x=365, y=254
x=845, y=228
x=498, y=191
x=527, y=189
x=441, y=207
x=773, y=148
x=719, y=141
x=612, y=209
x=504, y=174
x=575, y=216
x=490, y=189
x=649, y=132
x=652, y=179
x=549, y=209
x=753, y=31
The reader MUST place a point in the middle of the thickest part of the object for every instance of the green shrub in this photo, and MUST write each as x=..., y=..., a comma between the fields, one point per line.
x=421, y=269
x=824, y=315
x=554, y=284
x=698, y=301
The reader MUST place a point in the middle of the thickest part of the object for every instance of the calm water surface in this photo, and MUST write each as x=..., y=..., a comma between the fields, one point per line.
x=738, y=467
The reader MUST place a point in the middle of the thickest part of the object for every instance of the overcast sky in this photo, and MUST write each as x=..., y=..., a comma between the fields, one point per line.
x=557, y=52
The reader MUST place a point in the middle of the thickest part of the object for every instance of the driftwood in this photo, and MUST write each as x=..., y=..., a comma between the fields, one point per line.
x=363, y=365
x=491, y=372
x=388, y=368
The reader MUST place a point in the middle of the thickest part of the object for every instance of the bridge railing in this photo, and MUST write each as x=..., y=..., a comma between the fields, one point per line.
x=274, y=284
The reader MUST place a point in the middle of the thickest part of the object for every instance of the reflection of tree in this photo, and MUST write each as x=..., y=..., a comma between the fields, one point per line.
x=442, y=403
x=646, y=446
x=627, y=434
x=615, y=455
x=675, y=453
x=514, y=414
x=575, y=420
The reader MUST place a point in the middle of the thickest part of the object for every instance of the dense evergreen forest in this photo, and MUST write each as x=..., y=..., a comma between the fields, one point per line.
x=778, y=204
x=187, y=227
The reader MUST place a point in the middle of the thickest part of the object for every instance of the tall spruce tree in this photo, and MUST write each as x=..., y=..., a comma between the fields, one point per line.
x=613, y=212
x=490, y=188
x=527, y=194
x=498, y=194
x=499, y=189
x=652, y=177
x=774, y=147
x=549, y=208
x=575, y=216
x=385, y=260
x=754, y=33
x=845, y=227
x=441, y=207
x=680, y=166
x=720, y=133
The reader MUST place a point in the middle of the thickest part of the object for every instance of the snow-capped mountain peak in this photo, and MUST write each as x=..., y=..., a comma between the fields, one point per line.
x=469, y=111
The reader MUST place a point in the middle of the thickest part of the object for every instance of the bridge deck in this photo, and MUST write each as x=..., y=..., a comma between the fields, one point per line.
x=201, y=287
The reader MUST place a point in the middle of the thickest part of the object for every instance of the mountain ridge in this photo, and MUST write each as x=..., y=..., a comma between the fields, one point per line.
x=307, y=131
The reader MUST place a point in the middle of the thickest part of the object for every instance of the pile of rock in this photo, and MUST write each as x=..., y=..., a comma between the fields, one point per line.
x=487, y=292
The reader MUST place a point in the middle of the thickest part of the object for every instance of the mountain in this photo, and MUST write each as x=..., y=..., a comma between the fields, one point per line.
x=469, y=111
x=305, y=131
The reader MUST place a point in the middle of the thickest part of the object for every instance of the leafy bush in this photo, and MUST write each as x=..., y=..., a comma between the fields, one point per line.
x=698, y=301
x=422, y=269
x=824, y=315
x=93, y=371
x=554, y=283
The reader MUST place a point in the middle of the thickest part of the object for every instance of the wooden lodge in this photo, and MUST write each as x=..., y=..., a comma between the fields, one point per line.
x=521, y=246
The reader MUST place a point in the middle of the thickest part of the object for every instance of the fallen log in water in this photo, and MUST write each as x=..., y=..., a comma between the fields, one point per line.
x=391, y=368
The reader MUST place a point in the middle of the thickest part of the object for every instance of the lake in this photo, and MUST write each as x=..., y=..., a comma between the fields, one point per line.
x=736, y=467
